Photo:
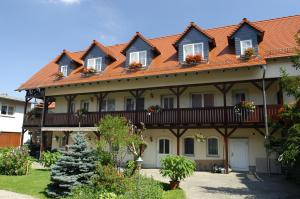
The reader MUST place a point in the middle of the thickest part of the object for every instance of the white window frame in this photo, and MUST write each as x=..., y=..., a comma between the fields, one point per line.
x=7, y=107
x=193, y=49
x=168, y=96
x=202, y=98
x=243, y=49
x=164, y=149
x=64, y=70
x=138, y=56
x=82, y=102
x=91, y=63
x=218, y=144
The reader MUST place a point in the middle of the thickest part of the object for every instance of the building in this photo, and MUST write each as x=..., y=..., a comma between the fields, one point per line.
x=11, y=120
x=196, y=79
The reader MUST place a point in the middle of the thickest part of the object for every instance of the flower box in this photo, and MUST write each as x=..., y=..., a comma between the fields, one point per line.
x=135, y=66
x=58, y=75
x=193, y=59
x=244, y=108
x=249, y=53
x=86, y=72
x=153, y=109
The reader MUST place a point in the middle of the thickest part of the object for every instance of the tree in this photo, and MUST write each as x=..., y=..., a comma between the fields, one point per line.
x=288, y=119
x=121, y=136
x=74, y=168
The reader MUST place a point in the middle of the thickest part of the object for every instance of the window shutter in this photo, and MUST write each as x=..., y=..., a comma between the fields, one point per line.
x=208, y=100
x=196, y=100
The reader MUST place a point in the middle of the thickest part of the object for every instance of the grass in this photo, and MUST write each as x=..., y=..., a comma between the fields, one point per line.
x=33, y=184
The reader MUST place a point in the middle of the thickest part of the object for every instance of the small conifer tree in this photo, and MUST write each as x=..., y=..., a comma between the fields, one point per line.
x=74, y=168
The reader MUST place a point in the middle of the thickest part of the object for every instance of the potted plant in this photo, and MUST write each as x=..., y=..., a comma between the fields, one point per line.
x=176, y=168
x=135, y=66
x=249, y=52
x=244, y=107
x=193, y=59
x=59, y=75
x=86, y=72
x=153, y=109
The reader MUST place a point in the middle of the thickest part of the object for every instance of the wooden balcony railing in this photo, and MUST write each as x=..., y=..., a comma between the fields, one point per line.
x=206, y=117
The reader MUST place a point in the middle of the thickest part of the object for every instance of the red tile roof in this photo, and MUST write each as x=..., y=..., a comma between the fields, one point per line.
x=70, y=55
x=278, y=41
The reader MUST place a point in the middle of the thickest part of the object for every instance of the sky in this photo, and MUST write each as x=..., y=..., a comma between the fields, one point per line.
x=34, y=32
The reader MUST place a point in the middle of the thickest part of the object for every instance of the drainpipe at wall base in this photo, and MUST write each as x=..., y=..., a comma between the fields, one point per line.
x=266, y=118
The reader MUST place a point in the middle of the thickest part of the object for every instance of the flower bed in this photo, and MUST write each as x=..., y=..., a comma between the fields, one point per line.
x=86, y=72
x=249, y=53
x=135, y=66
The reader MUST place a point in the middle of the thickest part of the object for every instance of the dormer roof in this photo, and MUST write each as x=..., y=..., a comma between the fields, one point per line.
x=246, y=21
x=136, y=35
x=70, y=55
x=193, y=25
x=105, y=50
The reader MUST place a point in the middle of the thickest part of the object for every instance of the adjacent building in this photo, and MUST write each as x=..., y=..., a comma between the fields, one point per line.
x=11, y=120
x=221, y=83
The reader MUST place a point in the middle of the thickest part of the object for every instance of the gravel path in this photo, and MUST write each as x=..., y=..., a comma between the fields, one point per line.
x=233, y=186
x=12, y=195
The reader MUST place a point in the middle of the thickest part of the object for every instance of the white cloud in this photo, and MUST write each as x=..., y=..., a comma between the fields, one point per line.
x=67, y=2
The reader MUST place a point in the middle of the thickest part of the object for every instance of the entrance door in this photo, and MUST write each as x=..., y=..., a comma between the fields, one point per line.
x=164, y=149
x=239, y=159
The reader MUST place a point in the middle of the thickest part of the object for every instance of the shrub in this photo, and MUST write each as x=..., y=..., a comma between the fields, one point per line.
x=176, y=168
x=143, y=187
x=109, y=179
x=15, y=161
x=89, y=192
x=130, y=168
x=74, y=168
x=104, y=157
x=50, y=158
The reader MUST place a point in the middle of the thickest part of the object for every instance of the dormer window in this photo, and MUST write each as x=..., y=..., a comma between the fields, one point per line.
x=64, y=70
x=95, y=63
x=138, y=57
x=193, y=49
x=245, y=44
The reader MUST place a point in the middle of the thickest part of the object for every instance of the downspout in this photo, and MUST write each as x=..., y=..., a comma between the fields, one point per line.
x=266, y=117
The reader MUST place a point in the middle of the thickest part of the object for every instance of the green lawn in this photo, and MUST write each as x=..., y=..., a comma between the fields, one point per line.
x=35, y=183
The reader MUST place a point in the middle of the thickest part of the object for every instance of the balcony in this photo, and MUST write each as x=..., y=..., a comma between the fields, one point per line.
x=183, y=117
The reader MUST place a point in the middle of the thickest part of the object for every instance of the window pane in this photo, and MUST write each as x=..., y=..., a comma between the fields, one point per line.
x=129, y=104
x=198, y=49
x=98, y=64
x=143, y=55
x=134, y=57
x=239, y=97
x=91, y=63
x=161, y=146
x=104, y=105
x=188, y=146
x=3, y=110
x=111, y=105
x=208, y=100
x=212, y=146
x=187, y=50
x=73, y=107
x=140, y=104
x=167, y=146
x=196, y=100
x=168, y=102
x=64, y=70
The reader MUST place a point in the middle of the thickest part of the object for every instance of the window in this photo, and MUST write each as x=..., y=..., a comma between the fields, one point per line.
x=95, y=63
x=108, y=105
x=72, y=107
x=7, y=110
x=164, y=146
x=62, y=141
x=129, y=104
x=212, y=146
x=192, y=49
x=64, y=70
x=239, y=97
x=84, y=105
x=189, y=146
x=202, y=100
x=245, y=44
x=168, y=102
x=139, y=57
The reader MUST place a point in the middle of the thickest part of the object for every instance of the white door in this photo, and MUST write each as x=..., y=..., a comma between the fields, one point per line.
x=238, y=154
x=163, y=149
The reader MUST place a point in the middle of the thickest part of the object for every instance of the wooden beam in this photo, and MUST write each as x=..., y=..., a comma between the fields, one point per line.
x=219, y=131
x=183, y=132
x=257, y=85
x=260, y=132
x=232, y=131
x=270, y=84
x=173, y=132
x=274, y=131
x=230, y=85
x=219, y=88
x=97, y=134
